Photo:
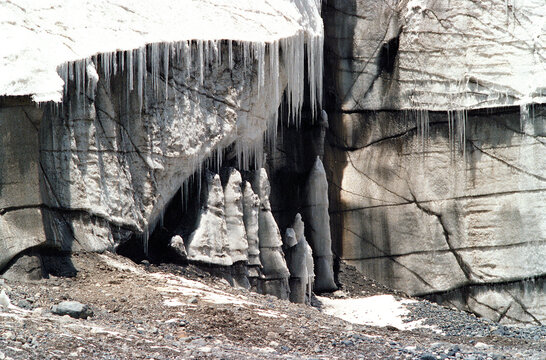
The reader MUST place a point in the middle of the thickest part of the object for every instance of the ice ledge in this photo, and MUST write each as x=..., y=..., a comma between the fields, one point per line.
x=40, y=36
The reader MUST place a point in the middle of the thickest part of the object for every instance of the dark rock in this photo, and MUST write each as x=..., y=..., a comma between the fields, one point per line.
x=453, y=351
x=427, y=356
x=25, y=268
x=24, y=304
x=73, y=309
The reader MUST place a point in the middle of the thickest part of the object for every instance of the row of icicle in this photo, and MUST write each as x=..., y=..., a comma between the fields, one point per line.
x=199, y=54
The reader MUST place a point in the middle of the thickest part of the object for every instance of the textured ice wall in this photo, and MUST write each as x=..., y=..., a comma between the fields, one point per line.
x=452, y=200
x=438, y=55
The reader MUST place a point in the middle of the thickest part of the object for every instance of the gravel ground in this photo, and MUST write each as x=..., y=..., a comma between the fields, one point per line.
x=171, y=312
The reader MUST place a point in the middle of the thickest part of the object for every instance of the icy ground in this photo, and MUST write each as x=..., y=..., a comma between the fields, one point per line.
x=144, y=311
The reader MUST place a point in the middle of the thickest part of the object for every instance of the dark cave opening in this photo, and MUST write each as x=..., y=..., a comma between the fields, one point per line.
x=388, y=54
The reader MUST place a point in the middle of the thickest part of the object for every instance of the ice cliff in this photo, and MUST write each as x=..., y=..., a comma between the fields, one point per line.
x=436, y=148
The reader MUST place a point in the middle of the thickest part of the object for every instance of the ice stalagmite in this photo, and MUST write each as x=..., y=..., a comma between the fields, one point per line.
x=177, y=245
x=236, y=232
x=299, y=257
x=318, y=220
x=251, y=208
x=275, y=271
x=209, y=242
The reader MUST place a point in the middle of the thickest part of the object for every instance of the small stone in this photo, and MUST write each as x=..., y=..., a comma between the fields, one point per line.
x=454, y=350
x=24, y=304
x=480, y=345
x=193, y=300
x=73, y=309
x=9, y=335
x=427, y=356
x=273, y=344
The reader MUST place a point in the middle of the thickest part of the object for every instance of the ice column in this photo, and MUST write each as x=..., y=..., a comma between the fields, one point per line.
x=300, y=262
x=318, y=219
x=251, y=208
x=209, y=242
x=236, y=232
x=275, y=271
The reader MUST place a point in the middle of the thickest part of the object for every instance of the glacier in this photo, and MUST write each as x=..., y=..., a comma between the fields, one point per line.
x=116, y=117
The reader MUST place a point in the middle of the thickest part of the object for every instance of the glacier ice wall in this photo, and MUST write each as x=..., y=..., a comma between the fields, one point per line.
x=435, y=155
x=437, y=55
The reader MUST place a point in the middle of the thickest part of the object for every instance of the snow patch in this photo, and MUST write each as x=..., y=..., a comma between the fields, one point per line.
x=379, y=310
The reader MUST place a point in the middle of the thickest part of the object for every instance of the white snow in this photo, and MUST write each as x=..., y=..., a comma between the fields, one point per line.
x=379, y=310
x=44, y=39
x=4, y=300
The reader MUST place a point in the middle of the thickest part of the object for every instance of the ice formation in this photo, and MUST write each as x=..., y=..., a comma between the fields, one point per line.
x=46, y=43
x=236, y=232
x=272, y=258
x=488, y=59
x=318, y=220
x=299, y=258
x=133, y=57
x=209, y=242
x=251, y=208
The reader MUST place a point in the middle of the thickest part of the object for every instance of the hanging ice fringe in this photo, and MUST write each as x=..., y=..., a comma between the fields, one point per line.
x=290, y=53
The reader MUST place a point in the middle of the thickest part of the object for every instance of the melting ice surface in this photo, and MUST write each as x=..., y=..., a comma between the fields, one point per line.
x=45, y=39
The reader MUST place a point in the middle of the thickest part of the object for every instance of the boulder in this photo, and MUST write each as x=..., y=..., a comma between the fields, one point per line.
x=73, y=309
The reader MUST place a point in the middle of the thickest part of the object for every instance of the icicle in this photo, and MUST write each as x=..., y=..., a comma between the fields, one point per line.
x=201, y=60
x=130, y=69
x=77, y=80
x=215, y=53
x=141, y=65
x=187, y=57
x=207, y=53
x=146, y=238
x=114, y=60
x=155, y=67
x=461, y=116
x=524, y=117
x=166, y=49
x=230, y=51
